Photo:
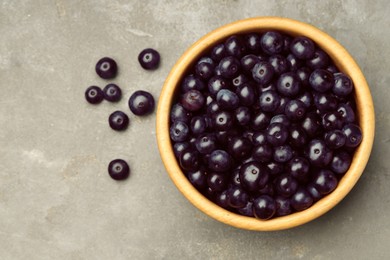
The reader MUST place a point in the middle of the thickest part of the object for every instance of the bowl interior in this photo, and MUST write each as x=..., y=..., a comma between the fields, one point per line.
x=342, y=60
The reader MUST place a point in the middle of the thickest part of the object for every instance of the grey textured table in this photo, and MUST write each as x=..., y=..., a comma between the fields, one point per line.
x=56, y=199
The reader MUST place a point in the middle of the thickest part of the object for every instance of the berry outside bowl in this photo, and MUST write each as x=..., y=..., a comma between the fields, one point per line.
x=345, y=63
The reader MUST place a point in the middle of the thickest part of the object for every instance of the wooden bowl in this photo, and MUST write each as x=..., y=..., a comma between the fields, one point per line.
x=342, y=60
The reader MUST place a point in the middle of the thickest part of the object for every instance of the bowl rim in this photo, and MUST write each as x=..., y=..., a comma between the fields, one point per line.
x=342, y=59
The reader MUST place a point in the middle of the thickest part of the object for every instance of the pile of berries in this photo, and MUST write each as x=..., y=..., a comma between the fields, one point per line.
x=264, y=124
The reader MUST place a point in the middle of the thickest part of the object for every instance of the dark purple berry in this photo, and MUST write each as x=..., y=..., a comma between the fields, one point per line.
x=293, y=63
x=118, y=169
x=307, y=99
x=299, y=168
x=346, y=112
x=263, y=153
x=217, y=71
x=280, y=64
x=260, y=121
x=180, y=147
x=237, y=197
x=227, y=99
x=283, y=153
x=222, y=120
x=179, y=131
x=224, y=137
x=313, y=192
x=263, y=72
x=230, y=67
x=297, y=137
x=118, y=121
x=149, y=59
x=303, y=74
x=218, y=52
x=198, y=125
x=253, y=176
x=204, y=70
x=325, y=102
x=141, y=103
x=343, y=85
x=269, y=101
x=332, y=120
x=295, y=110
x=112, y=93
x=222, y=199
x=193, y=100
x=321, y=80
x=340, y=162
x=332, y=68
x=235, y=46
x=198, y=178
x=206, y=143
x=259, y=138
x=179, y=113
x=192, y=141
x=106, y=68
x=335, y=139
x=239, y=80
x=247, y=210
x=283, y=206
x=277, y=134
x=240, y=147
x=272, y=42
x=206, y=59
x=192, y=82
x=264, y=207
x=318, y=153
x=220, y=161
x=189, y=160
x=288, y=84
x=353, y=135
x=268, y=189
x=275, y=168
x=235, y=178
x=301, y=200
x=286, y=185
x=213, y=108
x=325, y=181
x=248, y=62
x=311, y=124
x=281, y=118
x=94, y=95
x=243, y=115
x=253, y=42
x=246, y=93
x=216, y=83
x=217, y=181
x=302, y=47
x=320, y=60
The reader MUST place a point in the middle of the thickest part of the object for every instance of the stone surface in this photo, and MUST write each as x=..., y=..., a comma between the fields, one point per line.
x=56, y=199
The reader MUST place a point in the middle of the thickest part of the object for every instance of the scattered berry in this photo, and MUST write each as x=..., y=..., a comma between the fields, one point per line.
x=106, y=68
x=112, y=93
x=118, y=121
x=141, y=103
x=94, y=95
x=118, y=169
x=149, y=59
